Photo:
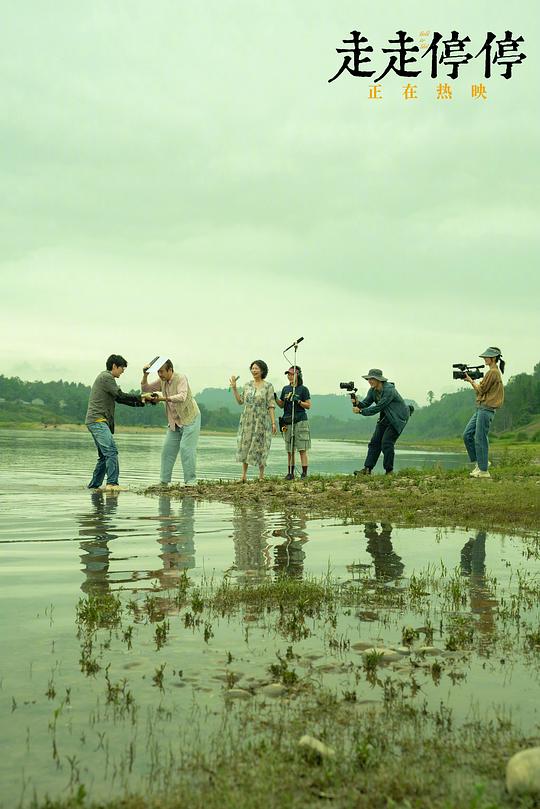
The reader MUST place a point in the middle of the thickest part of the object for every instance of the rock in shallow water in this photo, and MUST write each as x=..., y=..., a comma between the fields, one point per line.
x=523, y=772
x=428, y=650
x=273, y=690
x=384, y=655
x=314, y=745
x=367, y=615
x=237, y=693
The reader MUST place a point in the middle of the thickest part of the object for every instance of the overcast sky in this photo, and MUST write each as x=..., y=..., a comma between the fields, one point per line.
x=180, y=178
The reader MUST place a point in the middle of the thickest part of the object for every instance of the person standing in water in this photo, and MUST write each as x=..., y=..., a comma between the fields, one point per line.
x=104, y=396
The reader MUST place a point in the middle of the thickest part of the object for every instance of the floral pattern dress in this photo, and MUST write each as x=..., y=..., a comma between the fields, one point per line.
x=255, y=429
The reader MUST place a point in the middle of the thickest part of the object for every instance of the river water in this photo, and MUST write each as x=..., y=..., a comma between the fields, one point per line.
x=60, y=543
x=67, y=458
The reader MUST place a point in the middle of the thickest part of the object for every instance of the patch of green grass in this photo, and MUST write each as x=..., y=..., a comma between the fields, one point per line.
x=99, y=611
x=305, y=595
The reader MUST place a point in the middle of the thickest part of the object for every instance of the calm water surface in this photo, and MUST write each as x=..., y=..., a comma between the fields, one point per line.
x=59, y=542
x=64, y=458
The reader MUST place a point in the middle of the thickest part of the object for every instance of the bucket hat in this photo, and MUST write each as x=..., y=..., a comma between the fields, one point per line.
x=375, y=373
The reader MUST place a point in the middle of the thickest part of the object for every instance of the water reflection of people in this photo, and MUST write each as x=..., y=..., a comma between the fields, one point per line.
x=289, y=555
x=97, y=526
x=473, y=565
x=388, y=565
x=250, y=538
x=176, y=538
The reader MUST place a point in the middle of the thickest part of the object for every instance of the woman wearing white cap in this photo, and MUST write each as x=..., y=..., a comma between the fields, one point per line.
x=489, y=397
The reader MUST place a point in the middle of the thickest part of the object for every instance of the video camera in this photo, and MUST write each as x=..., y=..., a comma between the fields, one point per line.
x=471, y=370
x=350, y=388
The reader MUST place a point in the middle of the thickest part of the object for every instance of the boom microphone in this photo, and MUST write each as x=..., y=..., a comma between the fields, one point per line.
x=293, y=345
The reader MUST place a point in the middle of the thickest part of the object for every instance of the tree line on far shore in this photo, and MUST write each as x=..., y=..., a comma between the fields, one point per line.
x=24, y=402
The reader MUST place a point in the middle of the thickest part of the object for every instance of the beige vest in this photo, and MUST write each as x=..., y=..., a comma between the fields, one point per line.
x=187, y=411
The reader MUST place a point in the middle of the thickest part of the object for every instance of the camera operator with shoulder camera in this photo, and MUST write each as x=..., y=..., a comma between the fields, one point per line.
x=382, y=397
x=489, y=397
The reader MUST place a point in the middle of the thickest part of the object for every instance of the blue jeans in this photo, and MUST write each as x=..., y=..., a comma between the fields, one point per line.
x=475, y=437
x=107, y=455
x=183, y=439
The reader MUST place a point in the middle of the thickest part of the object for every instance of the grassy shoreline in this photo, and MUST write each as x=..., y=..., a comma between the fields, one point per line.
x=508, y=501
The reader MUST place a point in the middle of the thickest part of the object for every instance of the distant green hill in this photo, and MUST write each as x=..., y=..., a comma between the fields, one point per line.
x=66, y=402
x=327, y=406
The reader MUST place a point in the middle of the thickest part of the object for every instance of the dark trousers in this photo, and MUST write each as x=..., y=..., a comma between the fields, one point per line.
x=383, y=439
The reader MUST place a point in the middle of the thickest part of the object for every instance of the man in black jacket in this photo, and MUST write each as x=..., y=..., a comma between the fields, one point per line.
x=104, y=396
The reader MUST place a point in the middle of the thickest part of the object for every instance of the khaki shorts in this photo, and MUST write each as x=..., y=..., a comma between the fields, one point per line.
x=302, y=437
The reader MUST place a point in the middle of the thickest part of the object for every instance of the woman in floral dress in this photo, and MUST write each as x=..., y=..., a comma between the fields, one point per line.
x=258, y=421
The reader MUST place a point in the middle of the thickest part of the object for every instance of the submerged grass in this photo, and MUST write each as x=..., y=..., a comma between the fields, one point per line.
x=392, y=756
x=509, y=500
x=392, y=745
x=306, y=594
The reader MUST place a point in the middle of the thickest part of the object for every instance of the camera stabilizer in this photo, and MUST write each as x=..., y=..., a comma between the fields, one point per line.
x=350, y=388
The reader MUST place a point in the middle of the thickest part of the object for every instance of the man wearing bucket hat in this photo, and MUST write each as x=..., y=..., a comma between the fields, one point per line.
x=382, y=398
x=489, y=397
